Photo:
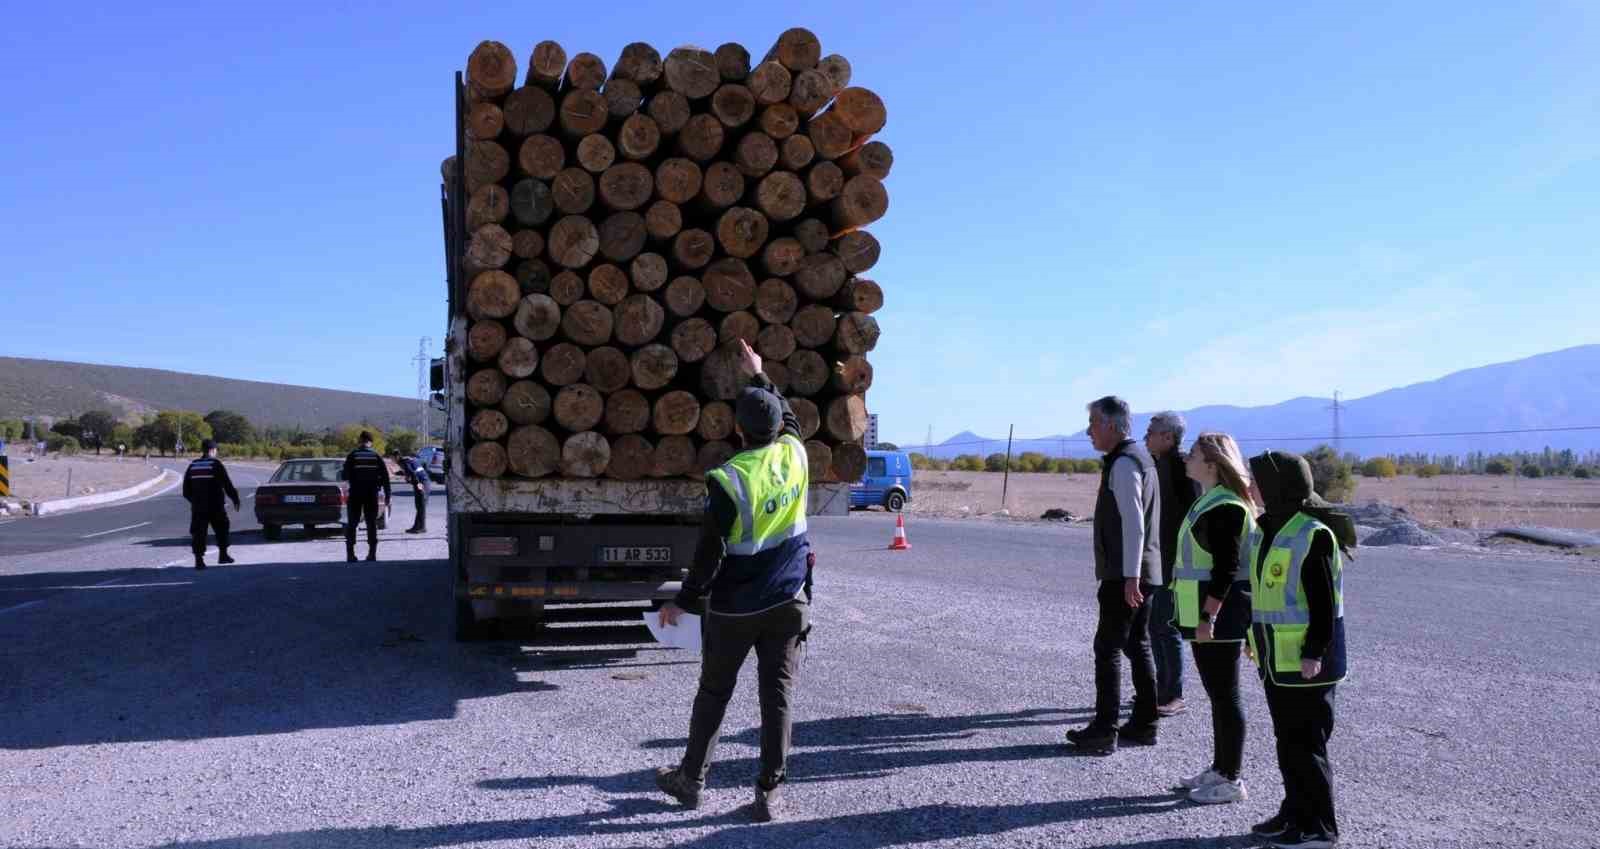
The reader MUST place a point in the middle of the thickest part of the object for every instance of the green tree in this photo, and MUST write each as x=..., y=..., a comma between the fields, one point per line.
x=1331, y=474
x=1532, y=470
x=1498, y=466
x=1582, y=473
x=62, y=444
x=66, y=427
x=147, y=436
x=98, y=426
x=347, y=437
x=10, y=429
x=1032, y=461
x=1088, y=466
x=1379, y=467
x=121, y=435
x=173, y=424
x=228, y=426
x=967, y=463
x=887, y=446
x=995, y=462
x=920, y=461
x=1429, y=470
x=405, y=441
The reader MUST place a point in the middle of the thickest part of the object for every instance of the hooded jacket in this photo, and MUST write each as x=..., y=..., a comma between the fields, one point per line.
x=1286, y=486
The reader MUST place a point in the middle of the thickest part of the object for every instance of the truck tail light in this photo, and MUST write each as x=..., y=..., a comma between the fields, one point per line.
x=492, y=546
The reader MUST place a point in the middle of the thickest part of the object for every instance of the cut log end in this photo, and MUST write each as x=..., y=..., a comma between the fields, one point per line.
x=532, y=452
x=487, y=460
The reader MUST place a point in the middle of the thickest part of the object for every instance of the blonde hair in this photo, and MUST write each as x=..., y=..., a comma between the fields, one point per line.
x=1221, y=451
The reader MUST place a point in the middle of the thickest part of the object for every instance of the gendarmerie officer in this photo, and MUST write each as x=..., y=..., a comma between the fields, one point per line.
x=365, y=470
x=205, y=486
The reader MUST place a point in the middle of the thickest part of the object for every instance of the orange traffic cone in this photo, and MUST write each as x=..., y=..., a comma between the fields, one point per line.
x=900, y=543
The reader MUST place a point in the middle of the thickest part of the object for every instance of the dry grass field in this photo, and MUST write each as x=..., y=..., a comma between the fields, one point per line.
x=1465, y=501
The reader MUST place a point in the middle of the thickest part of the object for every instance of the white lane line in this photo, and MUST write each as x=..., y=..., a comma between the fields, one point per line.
x=109, y=581
x=5, y=610
x=113, y=531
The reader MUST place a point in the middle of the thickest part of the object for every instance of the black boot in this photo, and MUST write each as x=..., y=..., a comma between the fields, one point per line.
x=350, y=552
x=199, y=561
x=372, y=553
x=223, y=557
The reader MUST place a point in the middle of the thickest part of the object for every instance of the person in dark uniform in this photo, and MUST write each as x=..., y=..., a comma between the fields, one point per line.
x=365, y=470
x=205, y=485
x=416, y=474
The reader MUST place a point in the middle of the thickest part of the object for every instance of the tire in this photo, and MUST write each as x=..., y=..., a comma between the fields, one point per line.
x=467, y=627
x=272, y=532
x=894, y=502
x=310, y=529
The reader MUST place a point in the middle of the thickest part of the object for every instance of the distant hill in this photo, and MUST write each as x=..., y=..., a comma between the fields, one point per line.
x=60, y=389
x=1554, y=390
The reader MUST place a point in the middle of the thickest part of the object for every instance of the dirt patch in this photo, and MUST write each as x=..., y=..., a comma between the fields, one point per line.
x=46, y=479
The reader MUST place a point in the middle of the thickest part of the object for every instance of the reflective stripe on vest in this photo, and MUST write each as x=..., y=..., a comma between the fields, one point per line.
x=769, y=485
x=1194, y=563
x=1280, y=615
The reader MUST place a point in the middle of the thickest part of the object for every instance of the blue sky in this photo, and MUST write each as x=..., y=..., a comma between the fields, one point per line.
x=1239, y=205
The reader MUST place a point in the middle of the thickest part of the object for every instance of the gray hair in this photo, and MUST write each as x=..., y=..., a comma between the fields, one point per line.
x=1114, y=410
x=1169, y=422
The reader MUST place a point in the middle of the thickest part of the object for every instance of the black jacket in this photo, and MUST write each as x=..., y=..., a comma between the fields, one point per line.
x=741, y=594
x=1178, y=494
x=365, y=470
x=206, y=483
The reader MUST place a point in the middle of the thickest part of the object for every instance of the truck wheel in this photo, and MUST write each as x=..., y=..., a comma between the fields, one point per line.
x=272, y=532
x=468, y=628
x=895, y=502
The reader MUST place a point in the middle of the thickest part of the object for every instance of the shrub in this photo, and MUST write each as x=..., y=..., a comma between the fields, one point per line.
x=1498, y=467
x=1582, y=473
x=62, y=444
x=1532, y=471
x=967, y=463
x=1429, y=470
x=1332, y=476
x=1379, y=467
x=995, y=462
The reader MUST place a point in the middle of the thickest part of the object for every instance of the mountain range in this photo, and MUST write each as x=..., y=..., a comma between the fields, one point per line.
x=1455, y=414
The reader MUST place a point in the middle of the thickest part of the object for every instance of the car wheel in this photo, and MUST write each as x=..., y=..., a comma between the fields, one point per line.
x=271, y=531
x=310, y=529
x=895, y=502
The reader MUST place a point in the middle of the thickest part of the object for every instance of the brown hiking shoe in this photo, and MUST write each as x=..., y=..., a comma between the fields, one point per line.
x=674, y=783
x=1172, y=708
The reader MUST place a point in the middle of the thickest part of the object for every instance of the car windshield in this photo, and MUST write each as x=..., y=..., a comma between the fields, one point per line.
x=308, y=471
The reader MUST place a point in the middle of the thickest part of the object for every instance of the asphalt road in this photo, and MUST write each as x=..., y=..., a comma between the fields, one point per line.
x=153, y=516
x=298, y=701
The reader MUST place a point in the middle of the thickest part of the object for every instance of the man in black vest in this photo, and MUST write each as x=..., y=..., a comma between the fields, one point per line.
x=205, y=485
x=1127, y=563
x=365, y=470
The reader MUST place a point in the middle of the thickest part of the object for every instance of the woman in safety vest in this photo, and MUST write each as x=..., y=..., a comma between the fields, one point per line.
x=1297, y=638
x=1212, y=594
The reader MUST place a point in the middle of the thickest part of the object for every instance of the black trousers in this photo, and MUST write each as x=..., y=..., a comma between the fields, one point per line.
x=1123, y=630
x=362, y=504
x=216, y=520
x=1302, y=718
x=1219, y=673
x=420, y=495
x=778, y=637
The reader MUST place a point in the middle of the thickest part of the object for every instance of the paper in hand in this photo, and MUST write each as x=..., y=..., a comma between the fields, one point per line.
x=684, y=635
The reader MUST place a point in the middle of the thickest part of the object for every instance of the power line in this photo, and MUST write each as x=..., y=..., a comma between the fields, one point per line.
x=1078, y=440
x=1336, y=407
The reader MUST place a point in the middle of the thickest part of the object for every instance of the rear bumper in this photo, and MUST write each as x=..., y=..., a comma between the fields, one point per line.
x=310, y=514
x=568, y=591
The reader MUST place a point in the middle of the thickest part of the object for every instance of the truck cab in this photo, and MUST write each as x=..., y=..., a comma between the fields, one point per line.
x=887, y=482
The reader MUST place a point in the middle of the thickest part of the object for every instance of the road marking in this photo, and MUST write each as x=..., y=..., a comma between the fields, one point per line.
x=113, y=531
x=5, y=610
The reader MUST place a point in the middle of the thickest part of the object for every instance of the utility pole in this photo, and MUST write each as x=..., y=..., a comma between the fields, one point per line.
x=927, y=447
x=422, y=386
x=1338, y=433
x=1005, y=483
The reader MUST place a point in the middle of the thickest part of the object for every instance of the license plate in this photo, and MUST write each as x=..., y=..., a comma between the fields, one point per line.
x=636, y=554
x=299, y=499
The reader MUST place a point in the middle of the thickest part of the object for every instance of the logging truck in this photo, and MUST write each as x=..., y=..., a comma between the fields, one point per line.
x=576, y=446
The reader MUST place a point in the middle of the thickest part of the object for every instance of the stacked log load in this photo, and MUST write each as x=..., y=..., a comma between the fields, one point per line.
x=627, y=227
